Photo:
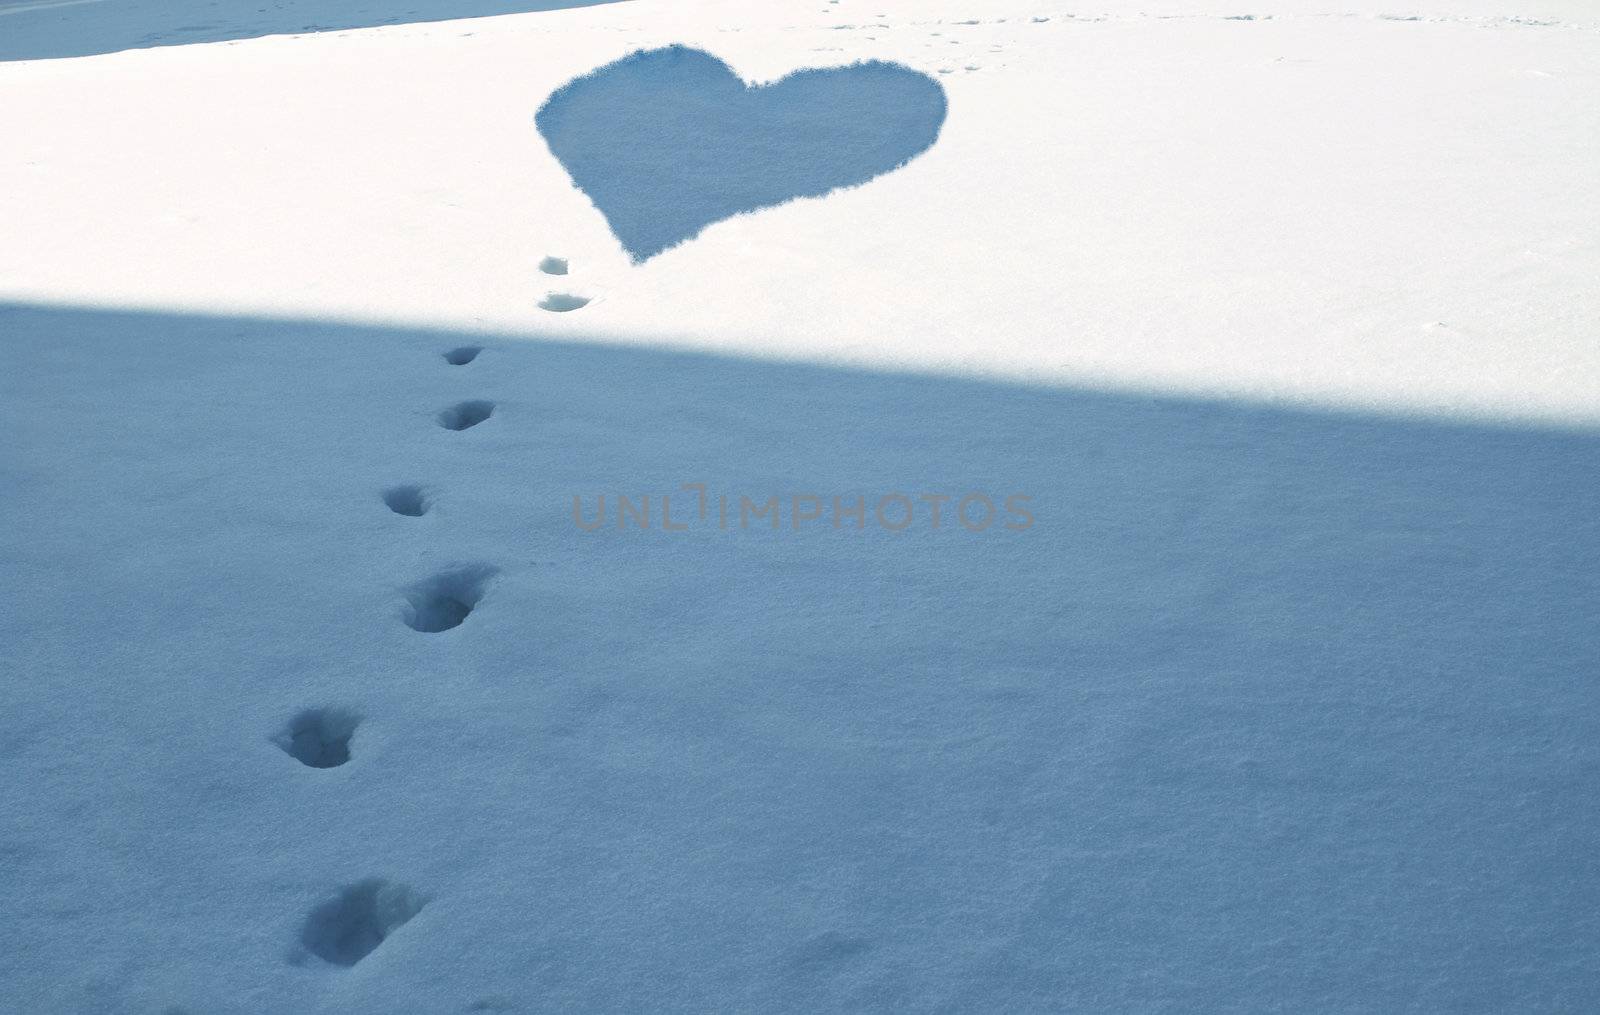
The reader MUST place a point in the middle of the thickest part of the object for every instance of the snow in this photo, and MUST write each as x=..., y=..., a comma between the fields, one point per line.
x=43, y=29
x=1326, y=206
x=1268, y=684
x=668, y=141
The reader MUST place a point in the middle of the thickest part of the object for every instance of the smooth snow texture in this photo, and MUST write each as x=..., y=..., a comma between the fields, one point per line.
x=1258, y=689
x=1271, y=708
x=668, y=141
x=1330, y=206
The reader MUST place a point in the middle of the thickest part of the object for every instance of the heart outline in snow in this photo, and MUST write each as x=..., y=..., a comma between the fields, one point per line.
x=666, y=142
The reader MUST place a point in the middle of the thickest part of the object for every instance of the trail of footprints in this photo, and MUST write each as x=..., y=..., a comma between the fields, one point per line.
x=559, y=303
x=349, y=926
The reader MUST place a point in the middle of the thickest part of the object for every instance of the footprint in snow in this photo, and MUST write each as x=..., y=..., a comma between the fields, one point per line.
x=556, y=302
x=319, y=737
x=561, y=303
x=346, y=929
x=466, y=415
x=409, y=500
x=446, y=600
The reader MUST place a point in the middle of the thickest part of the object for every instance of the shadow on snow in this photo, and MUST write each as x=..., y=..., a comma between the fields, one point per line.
x=1256, y=681
x=43, y=29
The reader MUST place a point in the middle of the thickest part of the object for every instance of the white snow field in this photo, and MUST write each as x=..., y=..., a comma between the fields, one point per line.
x=1248, y=357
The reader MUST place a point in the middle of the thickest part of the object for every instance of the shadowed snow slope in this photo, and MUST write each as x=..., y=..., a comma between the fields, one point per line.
x=1268, y=710
x=668, y=141
x=40, y=29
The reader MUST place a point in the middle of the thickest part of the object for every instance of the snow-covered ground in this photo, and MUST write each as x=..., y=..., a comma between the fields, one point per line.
x=1247, y=357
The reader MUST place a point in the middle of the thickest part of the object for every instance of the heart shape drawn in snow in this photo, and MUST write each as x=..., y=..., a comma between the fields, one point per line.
x=667, y=141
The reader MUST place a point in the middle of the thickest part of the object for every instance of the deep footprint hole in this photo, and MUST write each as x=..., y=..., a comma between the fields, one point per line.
x=445, y=600
x=411, y=501
x=319, y=737
x=553, y=266
x=347, y=929
x=561, y=303
x=462, y=356
x=466, y=415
